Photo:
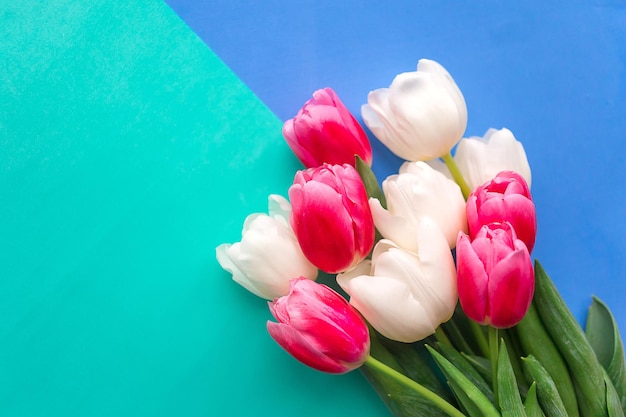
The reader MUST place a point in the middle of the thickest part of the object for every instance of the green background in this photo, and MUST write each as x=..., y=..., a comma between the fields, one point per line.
x=128, y=152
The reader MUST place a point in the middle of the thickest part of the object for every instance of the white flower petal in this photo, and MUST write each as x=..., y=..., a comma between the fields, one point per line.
x=405, y=295
x=481, y=159
x=417, y=192
x=393, y=227
x=388, y=306
x=279, y=206
x=268, y=255
x=440, y=166
x=421, y=116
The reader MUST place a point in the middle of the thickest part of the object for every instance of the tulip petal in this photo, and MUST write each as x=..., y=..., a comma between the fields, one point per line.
x=321, y=210
x=513, y=208
x=403, y=298
x=440, y=199
x=334, y=332
x=324, y=131
x=302, y=136
x=481, y=159
x=268, y=255
x=389, y=306
x=278, y=206
x=493, y=243
x=425, y=111
x=511, y=287
x=331, y=217
x=395, y=228
x=227, y=263
x=439, y=278
x=472, y=280
x=373, y=122
x=355, y=195
x=440, y=166
x=504, y=199
x=327, y=136
x=318, y=327
x=377, y=116
x=446, y=81
x=425, y=289
x=420, y=116
x=301, y=349
x=417, y=192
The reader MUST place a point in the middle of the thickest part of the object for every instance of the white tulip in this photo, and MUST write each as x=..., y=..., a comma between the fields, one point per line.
x=481, y=159
x=268, y=255
x=421, y=116
x=405, y=295
x=419, y=191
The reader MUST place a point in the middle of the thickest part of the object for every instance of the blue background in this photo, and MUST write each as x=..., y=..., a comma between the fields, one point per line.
x=127, y=150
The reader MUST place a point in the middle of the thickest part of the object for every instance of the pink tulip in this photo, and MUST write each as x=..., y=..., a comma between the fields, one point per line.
x=494, y=276
x=506, y=198
x=324, y=131
x=319, y=327
x=331, y=216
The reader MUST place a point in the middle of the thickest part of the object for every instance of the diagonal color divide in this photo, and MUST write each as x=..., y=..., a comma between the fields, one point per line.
x=551, y=72
x=126, y=153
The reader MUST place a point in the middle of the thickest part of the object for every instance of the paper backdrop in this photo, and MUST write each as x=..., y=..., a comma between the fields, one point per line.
x=128, y=151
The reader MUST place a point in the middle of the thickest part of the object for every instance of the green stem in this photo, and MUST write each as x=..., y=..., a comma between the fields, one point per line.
x=443, y=405
x=493, y=355
x=456, y=174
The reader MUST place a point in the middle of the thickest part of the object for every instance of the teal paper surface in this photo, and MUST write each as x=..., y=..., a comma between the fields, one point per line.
x=128, y=152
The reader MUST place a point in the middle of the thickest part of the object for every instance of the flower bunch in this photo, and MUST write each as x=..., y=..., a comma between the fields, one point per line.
x=435, y=263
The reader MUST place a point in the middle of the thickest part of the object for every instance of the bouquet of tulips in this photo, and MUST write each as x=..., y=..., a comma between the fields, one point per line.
x=426, y=284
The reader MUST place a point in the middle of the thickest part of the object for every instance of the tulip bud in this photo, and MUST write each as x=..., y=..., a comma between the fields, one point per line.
x=419, y=191
x=324, y=131
x=421, y=116
x=331, y=216
x=405, y=295
x=268, y=255
x=480, y=159
x=506, y=198
x=318, y=327
x=495, y=276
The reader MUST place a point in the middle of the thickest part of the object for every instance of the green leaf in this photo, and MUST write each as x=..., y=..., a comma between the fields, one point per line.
x=462, y=364
x=515, y=357
x=531, y=404
x=604, y=337
x=453, y=328
x=468, y=406
x=568, y=336
x=474, y=335
x=469, y=395
x=370, y=181
x=417, y=364
x=400, y=400
x=549, y=398
x=535, y=340
x=508, y=395
x=482, y=365
x=614, y=406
